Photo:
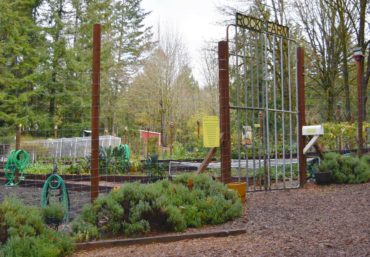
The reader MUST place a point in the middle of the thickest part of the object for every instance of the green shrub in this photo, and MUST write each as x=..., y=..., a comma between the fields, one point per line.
x=53, y=213
x=84, y=231
x=165, y=205
x=366, y=159
x=346, y=169
x=26, y=233
x=46, y=245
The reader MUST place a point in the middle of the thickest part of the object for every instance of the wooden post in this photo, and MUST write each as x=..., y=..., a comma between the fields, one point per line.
x=225, y=144
x=359, y=65
x=95, y=112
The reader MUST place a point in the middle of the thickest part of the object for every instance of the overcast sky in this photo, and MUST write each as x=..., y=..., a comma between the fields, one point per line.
x=195, y=21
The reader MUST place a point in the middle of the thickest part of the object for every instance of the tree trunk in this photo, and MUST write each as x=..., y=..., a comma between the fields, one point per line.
x=365, y=83
x=330, y=106
x=346, y=86
x=344, y=37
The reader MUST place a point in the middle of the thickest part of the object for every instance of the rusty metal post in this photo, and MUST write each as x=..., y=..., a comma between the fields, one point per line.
x=301, y=116
x=95, y=112
x=359, y=57
x=223, y=66
x=18, y=137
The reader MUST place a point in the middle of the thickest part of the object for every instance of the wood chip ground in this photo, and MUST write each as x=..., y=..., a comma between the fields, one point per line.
x=317, y=221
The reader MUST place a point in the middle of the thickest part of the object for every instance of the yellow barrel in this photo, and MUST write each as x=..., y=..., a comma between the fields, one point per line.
x=240, y=188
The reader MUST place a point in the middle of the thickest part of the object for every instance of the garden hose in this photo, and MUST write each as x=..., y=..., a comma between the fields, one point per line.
x=17, y=161
x=125, y=150
x=56, y=183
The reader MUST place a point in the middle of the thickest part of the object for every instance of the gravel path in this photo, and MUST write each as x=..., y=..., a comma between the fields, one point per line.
x=317, y=221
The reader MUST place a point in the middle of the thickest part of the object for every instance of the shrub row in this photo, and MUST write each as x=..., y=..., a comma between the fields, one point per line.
x=135, y=209
x=346, y=169
x=24, y=233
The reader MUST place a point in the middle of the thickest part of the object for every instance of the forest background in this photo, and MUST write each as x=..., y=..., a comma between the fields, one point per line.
x=146, y=79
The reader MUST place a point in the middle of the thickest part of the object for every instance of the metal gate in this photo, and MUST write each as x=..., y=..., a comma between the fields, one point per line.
x=263, y=105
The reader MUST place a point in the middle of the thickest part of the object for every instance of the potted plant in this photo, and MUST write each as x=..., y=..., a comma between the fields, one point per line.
x=53, y=214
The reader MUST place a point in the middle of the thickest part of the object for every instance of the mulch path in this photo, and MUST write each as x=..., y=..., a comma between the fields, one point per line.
x=317, y=221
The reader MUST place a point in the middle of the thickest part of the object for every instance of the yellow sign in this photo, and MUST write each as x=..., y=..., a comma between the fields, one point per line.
x=211, y=131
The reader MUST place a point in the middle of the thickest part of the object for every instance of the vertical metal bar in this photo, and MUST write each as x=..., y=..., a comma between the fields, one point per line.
x=290, y=119
x=297, y=106
x=245, y=85
x=237, y=81
x=267, y=127
x=301, y=115
x=223, y=64
x=258, y=71
x=254, y=138
x=95, y=112
x=275, y=107
x=282, y=105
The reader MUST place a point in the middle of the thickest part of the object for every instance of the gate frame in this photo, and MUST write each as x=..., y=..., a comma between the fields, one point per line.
x=224, y=102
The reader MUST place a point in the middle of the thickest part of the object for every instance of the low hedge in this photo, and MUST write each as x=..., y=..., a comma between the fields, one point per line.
x=346, y=169
x=136, y=209
x=24, y=233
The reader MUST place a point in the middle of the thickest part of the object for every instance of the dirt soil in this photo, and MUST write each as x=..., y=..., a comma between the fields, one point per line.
x=32, y=196
x=316, y=221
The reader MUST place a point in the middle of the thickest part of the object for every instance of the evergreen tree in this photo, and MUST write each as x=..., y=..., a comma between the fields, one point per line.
x=21, y=53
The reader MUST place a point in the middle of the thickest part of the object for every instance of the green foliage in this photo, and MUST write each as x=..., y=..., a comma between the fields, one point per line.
x=344, y=132
x=154, y=168
x=136, y=165
x=26, y=233
x=330, y=163
x=346, y=169
x=153, y=145
x=191, y=150
x=112, y=160
x=49, y=244
x=366, y=159
x=84, y=231
x=81, y=166
x=21, y=51
x=139, y=208
x=53, y=214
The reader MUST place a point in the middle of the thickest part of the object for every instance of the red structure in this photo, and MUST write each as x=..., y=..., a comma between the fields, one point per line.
x=146, y=134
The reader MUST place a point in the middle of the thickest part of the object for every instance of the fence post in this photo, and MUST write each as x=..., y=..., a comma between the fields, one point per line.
x=18, y=137
x=223, y=66
x=95, y=112
x=301, y=116
x=359, y=58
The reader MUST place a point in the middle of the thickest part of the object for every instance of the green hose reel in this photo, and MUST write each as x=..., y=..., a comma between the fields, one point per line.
x=54, y=187
x=15, y=165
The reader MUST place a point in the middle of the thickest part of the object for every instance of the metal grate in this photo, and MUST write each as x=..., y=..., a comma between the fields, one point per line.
x=264, y=103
